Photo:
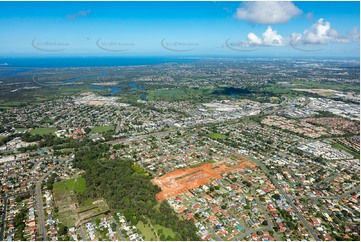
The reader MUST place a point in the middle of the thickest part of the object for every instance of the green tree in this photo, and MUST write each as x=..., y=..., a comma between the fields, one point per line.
x=276, y=196
x=63, y=230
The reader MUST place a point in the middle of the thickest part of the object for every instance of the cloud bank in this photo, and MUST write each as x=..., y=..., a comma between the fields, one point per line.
x=319, y=33
x=267, y=12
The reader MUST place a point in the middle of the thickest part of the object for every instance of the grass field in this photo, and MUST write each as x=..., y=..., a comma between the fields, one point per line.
x=12, y=104
x=42, y=131
x=146, y=231
x=202, y=163
x=216, y=136
x=345, y=148
x=75, y=184
x=165, y=231
x=334, y=86
x=102, y=129
x=67, y=150
x=65, y=199
x=158, y=230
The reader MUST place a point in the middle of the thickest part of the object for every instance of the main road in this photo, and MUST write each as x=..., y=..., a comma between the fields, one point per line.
x=288, y=199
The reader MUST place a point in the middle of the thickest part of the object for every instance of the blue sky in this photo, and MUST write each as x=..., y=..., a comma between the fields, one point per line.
x=179, y=28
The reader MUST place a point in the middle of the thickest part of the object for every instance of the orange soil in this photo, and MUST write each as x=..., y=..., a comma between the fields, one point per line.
x=182, y=180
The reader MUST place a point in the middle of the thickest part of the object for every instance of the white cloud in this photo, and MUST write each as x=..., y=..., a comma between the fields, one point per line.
x=296, y=39
x=267, y=12
x=319, y=33
x=269, y=38
x=81, y=13
x=253, y=39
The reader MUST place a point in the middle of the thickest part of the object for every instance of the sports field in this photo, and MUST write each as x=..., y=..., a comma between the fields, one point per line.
x=75, y=184
x=102, y=129
x=42, y=131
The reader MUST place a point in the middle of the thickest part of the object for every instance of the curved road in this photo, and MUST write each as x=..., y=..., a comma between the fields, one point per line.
x=269, y=220
x=346, y=194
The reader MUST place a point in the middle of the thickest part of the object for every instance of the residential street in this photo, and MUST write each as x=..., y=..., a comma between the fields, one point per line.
x=39, y=202
x=117, y=229
x=289, y=200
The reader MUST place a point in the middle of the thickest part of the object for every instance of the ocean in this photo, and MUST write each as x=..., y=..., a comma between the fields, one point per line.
x=63, y=62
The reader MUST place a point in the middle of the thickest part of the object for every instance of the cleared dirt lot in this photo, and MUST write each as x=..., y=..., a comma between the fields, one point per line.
x=182, y=180
x=70, y=212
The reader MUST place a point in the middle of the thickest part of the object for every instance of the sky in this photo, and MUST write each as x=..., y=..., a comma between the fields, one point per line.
x=180, y=28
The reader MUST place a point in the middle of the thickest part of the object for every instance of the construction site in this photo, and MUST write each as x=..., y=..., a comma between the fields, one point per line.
x=182, y=180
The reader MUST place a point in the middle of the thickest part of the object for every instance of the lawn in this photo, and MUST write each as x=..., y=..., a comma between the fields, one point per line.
x=160, y=231
x=65, y=199
x=13, y=104
x=146, y=231
x=165, y=231
x=42, y=131
x=102, y=129
x=216, y=136
x=67, y=150
x=75, y=184
x=67, y=218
